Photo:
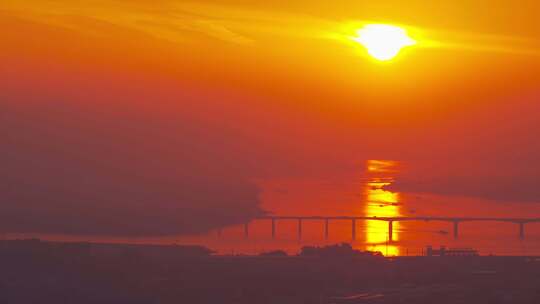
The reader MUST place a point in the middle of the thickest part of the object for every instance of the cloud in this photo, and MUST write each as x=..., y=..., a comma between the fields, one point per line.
x=171, y=20
x=105, y=131
x=102, y=165
x=502, y=189
x=490, y=154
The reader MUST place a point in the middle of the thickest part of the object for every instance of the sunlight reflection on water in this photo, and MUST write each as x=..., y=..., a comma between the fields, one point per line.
x=359, y=194
x=381, y=203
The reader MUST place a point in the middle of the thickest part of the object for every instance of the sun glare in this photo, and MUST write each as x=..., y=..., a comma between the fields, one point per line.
x=383, y=42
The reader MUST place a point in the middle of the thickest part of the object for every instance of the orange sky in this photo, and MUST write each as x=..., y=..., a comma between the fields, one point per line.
x=277, y=51
x=267, y=90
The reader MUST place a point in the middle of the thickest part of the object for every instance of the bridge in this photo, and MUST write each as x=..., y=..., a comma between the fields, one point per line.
x=520, y=222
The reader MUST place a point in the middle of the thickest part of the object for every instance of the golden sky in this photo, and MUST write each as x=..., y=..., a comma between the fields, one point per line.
x=469, y=48
x=259, y=88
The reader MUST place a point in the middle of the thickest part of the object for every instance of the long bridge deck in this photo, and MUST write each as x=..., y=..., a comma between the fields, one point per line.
x=402, y=218
x=455, y=220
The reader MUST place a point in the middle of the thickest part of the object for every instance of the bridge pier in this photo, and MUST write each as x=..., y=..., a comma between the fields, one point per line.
x=390, y=231
x=326, y=228
x=353, y=229
x=456, y=229
x=451, y=220
x=299, y=229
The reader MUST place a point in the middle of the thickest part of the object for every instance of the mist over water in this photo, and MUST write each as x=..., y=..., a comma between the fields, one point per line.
x=364, y=193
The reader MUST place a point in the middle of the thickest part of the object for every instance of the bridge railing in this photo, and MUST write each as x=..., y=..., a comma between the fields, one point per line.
x=326, y=219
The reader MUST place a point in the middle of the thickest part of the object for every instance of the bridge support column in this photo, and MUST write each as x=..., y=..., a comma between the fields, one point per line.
x=521, y=230
x=326, y=228
x=246, y=230
x=273, y=228
x=219, y=232
x=353, y=229
x=299, y=229
x=390, y=231
x=456, y=229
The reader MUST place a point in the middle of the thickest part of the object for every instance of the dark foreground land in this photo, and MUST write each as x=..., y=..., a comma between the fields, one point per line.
x=40, y=272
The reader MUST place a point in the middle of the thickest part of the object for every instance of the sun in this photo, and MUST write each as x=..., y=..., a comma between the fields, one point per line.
x=382, y=41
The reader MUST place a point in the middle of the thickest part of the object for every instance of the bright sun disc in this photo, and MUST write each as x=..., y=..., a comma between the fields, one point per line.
x=382, y=41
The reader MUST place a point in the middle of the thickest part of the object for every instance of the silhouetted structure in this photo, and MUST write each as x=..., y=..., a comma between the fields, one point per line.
x=455, y=221
x=337, y=251
x=443, y=251
x=34, y=271
x=37, y=246
x=274, y=253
